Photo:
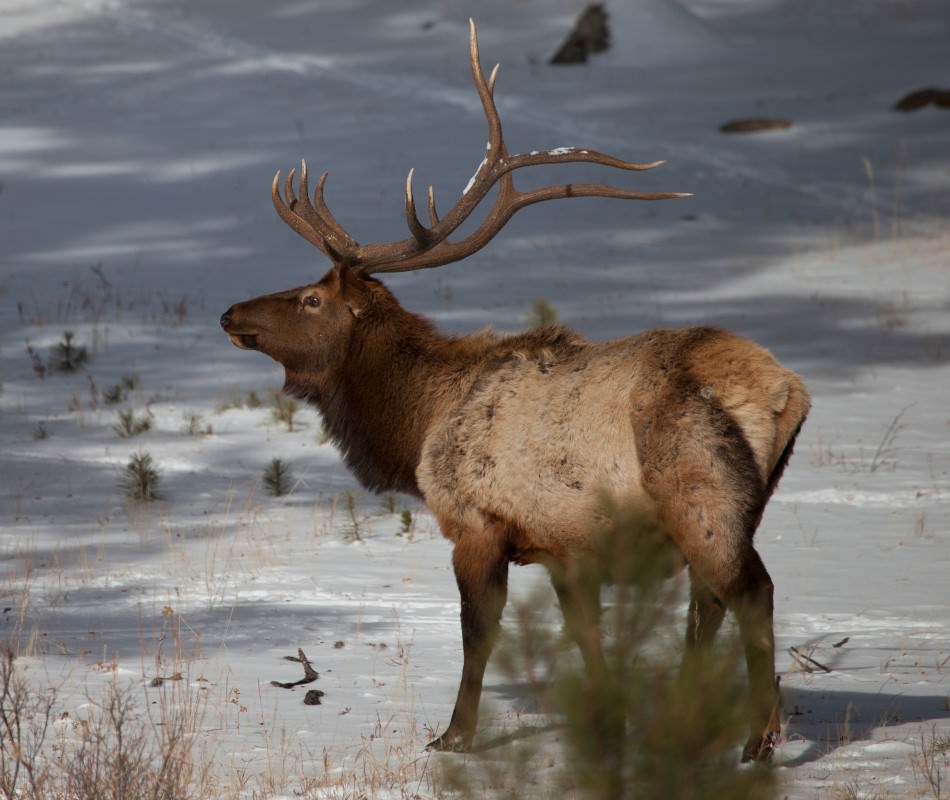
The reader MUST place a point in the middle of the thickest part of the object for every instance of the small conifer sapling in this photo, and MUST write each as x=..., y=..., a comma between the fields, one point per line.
x=140, y=478
x=278, y=478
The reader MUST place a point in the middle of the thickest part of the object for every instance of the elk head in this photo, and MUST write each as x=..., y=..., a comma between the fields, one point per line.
x=304, y=329
x=308, y=328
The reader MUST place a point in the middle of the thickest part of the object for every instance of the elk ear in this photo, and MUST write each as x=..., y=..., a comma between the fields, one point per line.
x=353, y=290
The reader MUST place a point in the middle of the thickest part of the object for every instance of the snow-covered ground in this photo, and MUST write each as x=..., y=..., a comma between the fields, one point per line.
x=137, y=143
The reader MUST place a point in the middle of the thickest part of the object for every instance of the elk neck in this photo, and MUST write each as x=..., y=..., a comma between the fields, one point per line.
x=379, y=400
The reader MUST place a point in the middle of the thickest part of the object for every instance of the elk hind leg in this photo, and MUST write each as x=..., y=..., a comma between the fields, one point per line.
x=481, y=571
x=704, y=617
x=742, y=585
x=753, y=607
x=711, y=511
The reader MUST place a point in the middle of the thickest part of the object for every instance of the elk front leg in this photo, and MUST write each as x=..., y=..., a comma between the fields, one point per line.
x=578, y=595
x=604, y=718
x=481, y=571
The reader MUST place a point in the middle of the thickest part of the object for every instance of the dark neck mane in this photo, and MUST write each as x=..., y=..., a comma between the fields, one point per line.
x=378, y=401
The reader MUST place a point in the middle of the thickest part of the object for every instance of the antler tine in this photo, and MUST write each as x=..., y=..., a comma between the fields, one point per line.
x=433, y=214
x=306, y=209
x=573, y=155
x=491, y=78
x=419, y=232
x=320, y=218
x=285, y=212
x=304, y=199
x=486, y=92
x=346, y=241
x=317, y=225
x=289, y=194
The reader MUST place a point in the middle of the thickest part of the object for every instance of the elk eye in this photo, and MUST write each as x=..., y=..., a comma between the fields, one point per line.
x=312, y=300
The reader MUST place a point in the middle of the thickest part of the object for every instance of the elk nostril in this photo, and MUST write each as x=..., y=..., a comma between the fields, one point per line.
x=225, y=319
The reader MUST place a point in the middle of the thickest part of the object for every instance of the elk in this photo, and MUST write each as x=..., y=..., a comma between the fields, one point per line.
x=516, y=442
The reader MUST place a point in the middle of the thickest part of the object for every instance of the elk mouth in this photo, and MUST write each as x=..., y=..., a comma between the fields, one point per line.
x=246, y=341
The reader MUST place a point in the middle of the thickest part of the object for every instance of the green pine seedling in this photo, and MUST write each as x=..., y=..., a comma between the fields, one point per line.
x=278, y=478
x=541, y=314
x=140, y=478
x=67, y=355
x=120, y=391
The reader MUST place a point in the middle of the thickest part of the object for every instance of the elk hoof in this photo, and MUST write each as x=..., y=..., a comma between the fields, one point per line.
x=760, y=748
x=450, y=743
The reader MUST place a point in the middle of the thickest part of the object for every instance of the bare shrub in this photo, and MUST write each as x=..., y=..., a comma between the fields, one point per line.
x=25, y=719
x=284, y=409
x=121, y=755
x=931, y=765
x=117, y=751
x=130, y=424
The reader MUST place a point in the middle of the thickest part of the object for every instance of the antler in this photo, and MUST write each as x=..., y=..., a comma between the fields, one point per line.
x=428, y=246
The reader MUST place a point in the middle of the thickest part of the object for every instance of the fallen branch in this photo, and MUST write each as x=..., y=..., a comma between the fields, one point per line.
x=309, y=673
x=807, y=663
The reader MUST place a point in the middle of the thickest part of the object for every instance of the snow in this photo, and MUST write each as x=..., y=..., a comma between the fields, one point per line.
x=137, y=145
x=471, y=181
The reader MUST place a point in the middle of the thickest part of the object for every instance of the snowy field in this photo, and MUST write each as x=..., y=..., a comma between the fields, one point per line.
x=138, y=140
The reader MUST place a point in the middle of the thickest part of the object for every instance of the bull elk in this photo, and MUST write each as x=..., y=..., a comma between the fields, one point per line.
x=516, y=443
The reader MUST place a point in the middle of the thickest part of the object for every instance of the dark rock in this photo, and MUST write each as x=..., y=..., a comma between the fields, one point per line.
x=312, y=697
x=921, y=98
x=756, y=125
x=590, y=35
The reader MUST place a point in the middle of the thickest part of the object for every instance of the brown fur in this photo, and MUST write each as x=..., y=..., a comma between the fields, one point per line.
x=521, y=446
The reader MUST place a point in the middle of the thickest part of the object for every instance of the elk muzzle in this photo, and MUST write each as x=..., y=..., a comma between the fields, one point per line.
x=246, y=341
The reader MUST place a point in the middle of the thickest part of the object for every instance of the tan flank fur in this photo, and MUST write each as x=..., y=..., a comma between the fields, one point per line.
x=520, y=445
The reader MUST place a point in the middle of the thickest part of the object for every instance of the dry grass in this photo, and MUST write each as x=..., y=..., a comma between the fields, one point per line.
x=162, y=735
x=115, y=751
x=931, y=765
x=155, y=743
